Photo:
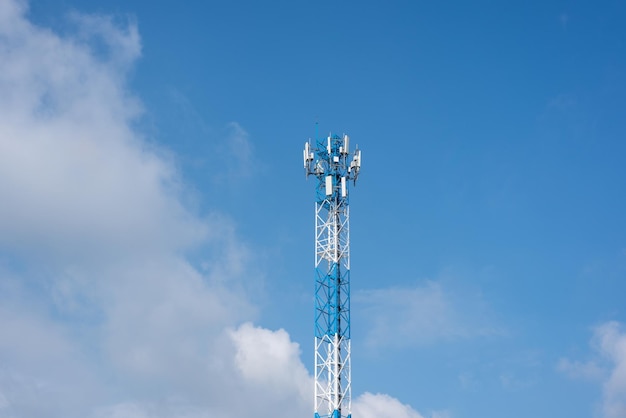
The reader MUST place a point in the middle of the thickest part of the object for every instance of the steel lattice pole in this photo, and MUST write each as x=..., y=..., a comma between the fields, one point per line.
x=329, y=161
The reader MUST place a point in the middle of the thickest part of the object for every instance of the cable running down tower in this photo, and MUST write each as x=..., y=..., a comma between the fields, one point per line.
x=330, y=161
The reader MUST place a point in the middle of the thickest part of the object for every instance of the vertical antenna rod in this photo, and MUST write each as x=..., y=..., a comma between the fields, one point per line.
x=330, y=161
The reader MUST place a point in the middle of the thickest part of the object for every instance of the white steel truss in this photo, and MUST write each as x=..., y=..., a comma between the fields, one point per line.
x=329, y=161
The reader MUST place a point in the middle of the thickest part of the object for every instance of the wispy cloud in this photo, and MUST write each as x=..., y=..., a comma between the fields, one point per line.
x=237, y=153
x=564, y=19
x=121, y=39
x=422, y=314
x=607, y=366
x=230, y=157
x=589, y=370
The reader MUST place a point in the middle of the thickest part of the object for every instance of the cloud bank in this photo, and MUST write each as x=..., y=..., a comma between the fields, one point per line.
x=102, y=312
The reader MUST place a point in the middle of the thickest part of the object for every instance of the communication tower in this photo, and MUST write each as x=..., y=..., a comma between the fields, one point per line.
x=330, y=161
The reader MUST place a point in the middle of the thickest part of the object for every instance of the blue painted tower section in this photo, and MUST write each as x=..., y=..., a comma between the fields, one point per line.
x=330, y=161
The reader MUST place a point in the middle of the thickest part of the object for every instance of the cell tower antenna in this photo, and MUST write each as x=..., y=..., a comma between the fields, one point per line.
x=330, y=161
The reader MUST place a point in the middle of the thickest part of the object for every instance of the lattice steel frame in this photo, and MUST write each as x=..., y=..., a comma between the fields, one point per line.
x=330, y=162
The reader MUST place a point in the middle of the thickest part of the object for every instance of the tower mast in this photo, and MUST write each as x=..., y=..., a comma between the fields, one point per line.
x=330, y=161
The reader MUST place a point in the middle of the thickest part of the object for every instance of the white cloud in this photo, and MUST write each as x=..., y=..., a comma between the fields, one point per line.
x=43, y=372
x=608, y=366
x=74, y=176
x=271, y=360
x=124, y=410
x=275, y=378
x=99, y=305
x=610, y=341
x=102, y=313
x=379, y=405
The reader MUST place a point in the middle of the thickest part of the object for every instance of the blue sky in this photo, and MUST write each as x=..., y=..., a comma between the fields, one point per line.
x=156, y=227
